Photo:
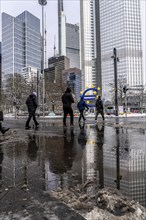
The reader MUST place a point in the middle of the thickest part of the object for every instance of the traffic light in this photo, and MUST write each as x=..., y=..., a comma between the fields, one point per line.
x=125, y=89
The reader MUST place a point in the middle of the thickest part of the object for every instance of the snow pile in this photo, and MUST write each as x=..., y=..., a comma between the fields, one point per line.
x=101, y=204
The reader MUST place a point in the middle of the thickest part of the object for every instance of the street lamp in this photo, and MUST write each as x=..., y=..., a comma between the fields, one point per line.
x=43, y=3
x=116, y=59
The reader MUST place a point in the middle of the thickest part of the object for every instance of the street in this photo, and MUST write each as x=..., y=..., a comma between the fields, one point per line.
x=33, y=162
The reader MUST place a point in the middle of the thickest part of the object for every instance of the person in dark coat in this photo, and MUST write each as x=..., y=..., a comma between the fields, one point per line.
x=99, y=108
x=2, y=129
x=31, y=103
x=67, y=100
x=81, y=106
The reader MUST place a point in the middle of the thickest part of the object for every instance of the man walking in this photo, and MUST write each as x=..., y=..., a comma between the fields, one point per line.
x=2, y=129
x=99, y=108
x=81, y=106
x=67, y=100
x=31, y=103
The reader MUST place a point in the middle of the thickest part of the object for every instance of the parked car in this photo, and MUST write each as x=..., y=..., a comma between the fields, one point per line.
x=110, y=110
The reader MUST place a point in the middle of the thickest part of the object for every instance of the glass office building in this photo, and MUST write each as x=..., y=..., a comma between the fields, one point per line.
x=73, y=45
x=119, y=26
x=21, y=42
x=121, y=29
x=68, y=38
x=87, y=42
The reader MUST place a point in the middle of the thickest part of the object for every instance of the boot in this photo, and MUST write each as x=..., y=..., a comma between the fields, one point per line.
x=27, y=127
x=3, y=130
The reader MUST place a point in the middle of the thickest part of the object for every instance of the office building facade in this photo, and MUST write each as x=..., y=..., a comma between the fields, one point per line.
x=68, y=38
x=56, y=66
x=117, y=25
x=61, y=29
x=73, y=45
x=21, y=42
x=0, y=68
x=87, y=43
x=72, y=78
x=120, y=28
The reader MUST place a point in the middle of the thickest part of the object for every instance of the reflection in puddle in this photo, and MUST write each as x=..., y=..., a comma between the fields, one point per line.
x=114, y=156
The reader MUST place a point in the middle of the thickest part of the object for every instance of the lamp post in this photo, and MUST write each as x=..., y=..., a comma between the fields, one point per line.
x=115, y=79
x=43, y=3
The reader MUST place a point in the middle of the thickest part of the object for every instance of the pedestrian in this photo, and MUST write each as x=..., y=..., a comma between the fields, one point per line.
x=99, y=108
x=31, y=103
x=2, y=129
x=81, y=106
x=67, y=100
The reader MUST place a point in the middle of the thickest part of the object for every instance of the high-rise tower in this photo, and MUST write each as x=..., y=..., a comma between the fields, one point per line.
x=87, y=42
x=68, y=38
x=73, y=44
x=61, y=29
x=120, y=28
x=21, y=45
x=117, y=25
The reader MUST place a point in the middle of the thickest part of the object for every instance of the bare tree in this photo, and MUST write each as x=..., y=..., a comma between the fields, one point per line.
x=17, y=89
x=121, y=83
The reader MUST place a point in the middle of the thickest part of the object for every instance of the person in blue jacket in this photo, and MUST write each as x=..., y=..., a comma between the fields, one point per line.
x=81, y=106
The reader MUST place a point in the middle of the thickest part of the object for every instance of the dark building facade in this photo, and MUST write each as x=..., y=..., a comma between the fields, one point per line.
x=72, y=78
x=56, y=66
x=0, y=68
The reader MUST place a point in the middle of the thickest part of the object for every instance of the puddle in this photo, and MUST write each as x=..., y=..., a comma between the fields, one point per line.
x=116, y=157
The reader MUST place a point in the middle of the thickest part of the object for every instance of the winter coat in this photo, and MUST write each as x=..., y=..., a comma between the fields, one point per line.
x=82, y=105
x=99, y=104
x=67, y=100
x=31, y=103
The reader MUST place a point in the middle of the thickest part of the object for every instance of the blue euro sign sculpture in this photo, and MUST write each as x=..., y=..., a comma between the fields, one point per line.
x=90, y=97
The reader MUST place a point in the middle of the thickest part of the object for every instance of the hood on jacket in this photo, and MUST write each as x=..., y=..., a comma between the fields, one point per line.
x=68, y=90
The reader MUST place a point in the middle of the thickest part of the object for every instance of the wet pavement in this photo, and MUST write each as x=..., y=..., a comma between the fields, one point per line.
x=34, y=162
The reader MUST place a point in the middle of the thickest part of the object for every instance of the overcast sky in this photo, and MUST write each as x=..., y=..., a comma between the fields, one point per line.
x=71, y=8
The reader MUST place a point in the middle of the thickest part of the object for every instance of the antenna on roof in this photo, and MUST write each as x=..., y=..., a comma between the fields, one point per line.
x=54, y=45
x=45, y=43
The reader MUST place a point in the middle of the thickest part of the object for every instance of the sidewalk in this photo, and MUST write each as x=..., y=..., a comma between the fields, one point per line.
x=87, y=116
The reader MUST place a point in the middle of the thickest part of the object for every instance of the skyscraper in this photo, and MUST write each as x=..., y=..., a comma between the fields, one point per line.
x=87, y=42
x=68, y=38
x=61, y=29
x=117, y=25
x=56, y=66
x=73, y=45
x=120, y=28
x=21, y=42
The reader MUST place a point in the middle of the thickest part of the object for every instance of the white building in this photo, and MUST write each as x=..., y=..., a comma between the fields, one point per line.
x=87, y=42
x=68, y=38
x=29, y=73
x=120, y=28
